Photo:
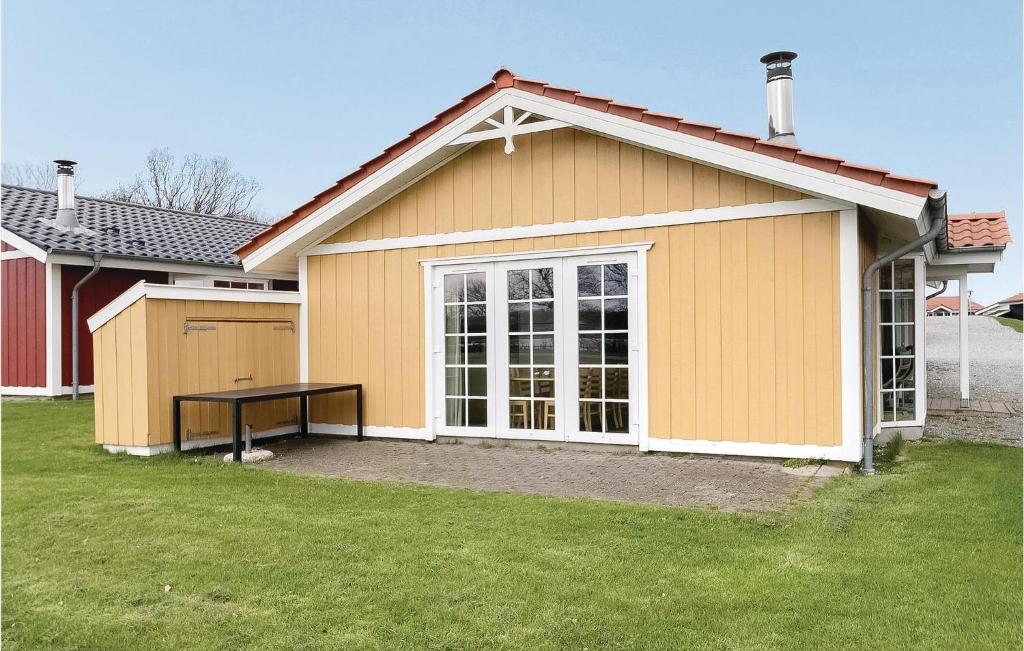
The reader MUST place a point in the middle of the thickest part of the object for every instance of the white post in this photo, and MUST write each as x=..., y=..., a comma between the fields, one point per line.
x=965, y=367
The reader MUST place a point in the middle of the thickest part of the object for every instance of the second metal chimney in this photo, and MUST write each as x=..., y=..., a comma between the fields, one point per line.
x=780, y=96
x=67, y=217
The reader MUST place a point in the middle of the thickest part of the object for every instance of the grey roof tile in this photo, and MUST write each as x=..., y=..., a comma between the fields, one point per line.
x=126, y=230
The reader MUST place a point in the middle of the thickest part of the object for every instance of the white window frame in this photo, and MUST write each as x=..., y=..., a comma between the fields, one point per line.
x=920, y=368
x=566, y=384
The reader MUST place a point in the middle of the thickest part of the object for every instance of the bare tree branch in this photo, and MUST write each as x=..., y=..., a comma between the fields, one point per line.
x=42, y=176
x=203, y=185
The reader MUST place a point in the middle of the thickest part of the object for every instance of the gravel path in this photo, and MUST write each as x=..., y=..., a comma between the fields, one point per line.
x=996, y=374
x=715, y=482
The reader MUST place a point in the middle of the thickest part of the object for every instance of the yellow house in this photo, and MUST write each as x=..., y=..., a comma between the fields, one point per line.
x=538, y=263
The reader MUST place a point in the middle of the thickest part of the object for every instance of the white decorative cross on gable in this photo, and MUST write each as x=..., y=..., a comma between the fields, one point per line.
x=509, y=127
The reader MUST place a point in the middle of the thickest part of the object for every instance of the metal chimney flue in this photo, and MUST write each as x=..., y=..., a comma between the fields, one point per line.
x=66, y=218
x=780, y=96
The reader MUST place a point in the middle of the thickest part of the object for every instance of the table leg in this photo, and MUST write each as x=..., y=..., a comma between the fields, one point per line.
x=359, y=413
x=303, y=416
x=236, y=440
x=176, y=411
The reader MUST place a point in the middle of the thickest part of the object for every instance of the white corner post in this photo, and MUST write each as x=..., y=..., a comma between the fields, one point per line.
x=54, y=328
x=965, y=366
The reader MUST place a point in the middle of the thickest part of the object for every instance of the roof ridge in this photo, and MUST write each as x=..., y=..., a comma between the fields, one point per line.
x=505, y=78
x=140, y=205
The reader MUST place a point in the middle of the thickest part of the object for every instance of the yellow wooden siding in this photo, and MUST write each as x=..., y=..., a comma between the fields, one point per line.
x=554, y=176
x=743, y=327
x=142, y=358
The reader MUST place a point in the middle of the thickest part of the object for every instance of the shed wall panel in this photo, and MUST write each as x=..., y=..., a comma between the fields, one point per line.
x=23, y=323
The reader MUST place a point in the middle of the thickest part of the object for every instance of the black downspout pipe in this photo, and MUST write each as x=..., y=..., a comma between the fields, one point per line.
x=937, y=213
x=74, y=323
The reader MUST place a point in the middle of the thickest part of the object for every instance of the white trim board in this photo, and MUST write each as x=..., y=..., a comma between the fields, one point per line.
x=185, y=293
x=373, y=189
x=373, y=431
x=14, y=255
x=843, y=452
x=45, y=392
x=850, y=335
x=633, y=247
x=22, y=244
x=604, y=224
x=153, y=450
x=54, y=327
x=169, y=266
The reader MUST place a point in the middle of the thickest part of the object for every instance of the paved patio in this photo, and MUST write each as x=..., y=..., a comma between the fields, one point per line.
x=726, y=484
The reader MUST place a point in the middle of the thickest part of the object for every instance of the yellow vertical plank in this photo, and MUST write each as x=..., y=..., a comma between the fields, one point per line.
x=543, y=176
x=407, y=219
x=585, y=199
x=761, y=331
x=837, y=417
x=734, y=262
x=390, y=221
x=360, y=325
x=732, y=189
x=813, y=356
x=481, y=158
x=789, y=333
x=503, y=246
x=320, y=408
x=425, y=202
x=483, y=248
x=587, y=239
x=374, y=224
x=313, y=318
x=412, y=342
x=705, y=187
x=565, y=241
x=111, y=380
x=140, y=376
x=125, y=381
x=631, y=179
x=444, y=198
x=343, y=324
x=659, y=372
x=679, y=174
x=100, y=388
x=563, y=165
x=708, y=326
x=784, y=194
x=462, y=188
x=607, y=177
x=609, y=237
x=394, y=314
x=522, y=181
x=655, y=182
x=758, y=191
x=375, y=394
x=682, y=351
x=501, y=186
x=357, y=230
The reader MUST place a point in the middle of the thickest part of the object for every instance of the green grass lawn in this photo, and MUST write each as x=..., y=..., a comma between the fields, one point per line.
x=927, y=555
x=1016, y=324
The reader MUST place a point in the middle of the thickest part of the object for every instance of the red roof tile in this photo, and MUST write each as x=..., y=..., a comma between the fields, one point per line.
x=504, y=78
x=977, y=229
x=951, y=303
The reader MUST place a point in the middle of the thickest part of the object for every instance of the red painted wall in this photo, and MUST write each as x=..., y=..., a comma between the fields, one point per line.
x=102, y=288
x=23, y=323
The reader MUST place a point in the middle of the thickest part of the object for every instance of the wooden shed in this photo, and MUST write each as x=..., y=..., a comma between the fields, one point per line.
x=156, y=341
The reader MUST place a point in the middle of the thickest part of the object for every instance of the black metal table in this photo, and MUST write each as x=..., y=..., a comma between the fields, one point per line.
x=239, y=397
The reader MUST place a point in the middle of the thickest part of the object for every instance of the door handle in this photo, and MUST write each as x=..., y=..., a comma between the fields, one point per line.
x=247, y=378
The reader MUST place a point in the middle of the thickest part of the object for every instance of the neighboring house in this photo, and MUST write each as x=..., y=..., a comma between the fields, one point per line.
x=1011, y=306
x=526, y=266
x=43, y=259
x=947, y=306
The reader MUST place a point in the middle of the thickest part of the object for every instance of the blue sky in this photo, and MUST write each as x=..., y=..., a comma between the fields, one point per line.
x=298, y=94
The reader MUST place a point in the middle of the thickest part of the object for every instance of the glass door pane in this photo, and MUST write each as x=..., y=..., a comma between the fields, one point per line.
x=530, y=300
x=465, y=350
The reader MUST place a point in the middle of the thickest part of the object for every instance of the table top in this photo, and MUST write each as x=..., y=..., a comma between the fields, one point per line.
x=268, y=393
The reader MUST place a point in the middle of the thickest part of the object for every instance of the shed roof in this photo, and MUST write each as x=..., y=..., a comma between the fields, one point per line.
x=951, y=303
x=977, y=229
x=126, y=230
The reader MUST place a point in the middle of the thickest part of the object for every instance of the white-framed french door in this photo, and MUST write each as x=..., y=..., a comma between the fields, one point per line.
x=541, y=348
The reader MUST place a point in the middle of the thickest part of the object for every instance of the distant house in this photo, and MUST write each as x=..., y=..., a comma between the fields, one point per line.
x=947, y=306
x=1011, y=306
x=52, y=242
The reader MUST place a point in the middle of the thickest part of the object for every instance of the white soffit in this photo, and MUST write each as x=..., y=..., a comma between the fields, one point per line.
x=280, y=253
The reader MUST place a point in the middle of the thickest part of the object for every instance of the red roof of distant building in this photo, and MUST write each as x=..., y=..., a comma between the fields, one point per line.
x=951, y=303
x=977, y=229
x=504, y=78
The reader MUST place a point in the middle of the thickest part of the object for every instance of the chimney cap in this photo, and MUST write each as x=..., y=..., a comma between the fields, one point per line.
x=781, y=56
x=65, y=165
